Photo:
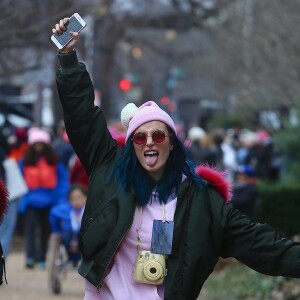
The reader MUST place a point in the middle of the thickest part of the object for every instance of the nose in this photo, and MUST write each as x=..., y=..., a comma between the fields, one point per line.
x=149, y=140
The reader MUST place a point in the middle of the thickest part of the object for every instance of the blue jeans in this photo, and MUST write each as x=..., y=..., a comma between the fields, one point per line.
x=70, y=240
x=7, y=228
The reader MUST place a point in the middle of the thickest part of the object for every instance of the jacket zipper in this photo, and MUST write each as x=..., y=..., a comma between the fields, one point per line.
x=180, y=251
x=99, y=286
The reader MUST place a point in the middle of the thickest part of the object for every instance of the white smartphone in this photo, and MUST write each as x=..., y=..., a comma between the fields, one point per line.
x=76, y=24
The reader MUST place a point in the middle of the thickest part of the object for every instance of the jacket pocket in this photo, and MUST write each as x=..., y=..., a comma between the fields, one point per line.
x=96, y=231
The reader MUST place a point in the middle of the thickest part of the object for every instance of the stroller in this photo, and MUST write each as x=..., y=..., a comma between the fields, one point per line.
x=63, y=250
x=62, y=259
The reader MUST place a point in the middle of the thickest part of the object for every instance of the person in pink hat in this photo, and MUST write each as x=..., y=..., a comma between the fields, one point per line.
x=47, y=182
x=154, y=226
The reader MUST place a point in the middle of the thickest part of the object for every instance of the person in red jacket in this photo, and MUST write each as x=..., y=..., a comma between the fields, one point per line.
x=47, y=181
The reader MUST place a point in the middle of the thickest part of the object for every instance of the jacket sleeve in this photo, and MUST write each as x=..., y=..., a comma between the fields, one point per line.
x=54, y=220
x=85, y=124
x=62, y=188
x=259, y=246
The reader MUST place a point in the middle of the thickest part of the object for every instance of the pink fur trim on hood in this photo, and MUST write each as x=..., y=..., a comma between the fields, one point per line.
x=217, y=179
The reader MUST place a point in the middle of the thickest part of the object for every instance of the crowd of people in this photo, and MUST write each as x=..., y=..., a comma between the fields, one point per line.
x=46, y=163
x=245, y=155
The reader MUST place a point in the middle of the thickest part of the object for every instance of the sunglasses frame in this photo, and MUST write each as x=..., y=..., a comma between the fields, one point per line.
x=151, y=135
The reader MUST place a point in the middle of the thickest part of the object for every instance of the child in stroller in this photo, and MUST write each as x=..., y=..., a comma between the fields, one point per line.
x=65, y=220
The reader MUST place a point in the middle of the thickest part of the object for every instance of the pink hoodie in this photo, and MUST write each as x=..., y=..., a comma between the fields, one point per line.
x=119, y=283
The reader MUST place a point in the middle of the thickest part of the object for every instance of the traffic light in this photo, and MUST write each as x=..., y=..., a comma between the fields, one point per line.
x=125, y=85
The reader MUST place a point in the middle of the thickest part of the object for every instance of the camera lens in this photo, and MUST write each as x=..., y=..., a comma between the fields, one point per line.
x=153, y=271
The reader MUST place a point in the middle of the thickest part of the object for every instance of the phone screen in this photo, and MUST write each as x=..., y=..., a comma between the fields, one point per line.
x=74, y=25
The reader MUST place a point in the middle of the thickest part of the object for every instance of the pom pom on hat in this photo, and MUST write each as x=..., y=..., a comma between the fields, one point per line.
x=127, y=113
x=133, y=117
x=36, y=135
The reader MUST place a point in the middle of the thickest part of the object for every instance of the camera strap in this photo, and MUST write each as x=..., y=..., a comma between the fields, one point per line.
x=138, y=229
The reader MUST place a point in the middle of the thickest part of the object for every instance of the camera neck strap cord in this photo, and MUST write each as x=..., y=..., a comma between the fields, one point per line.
x=138, y=228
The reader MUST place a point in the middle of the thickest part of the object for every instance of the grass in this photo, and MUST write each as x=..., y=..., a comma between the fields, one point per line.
x=236, y=281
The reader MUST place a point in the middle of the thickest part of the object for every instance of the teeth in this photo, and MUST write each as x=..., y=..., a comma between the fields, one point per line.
x=151, y=153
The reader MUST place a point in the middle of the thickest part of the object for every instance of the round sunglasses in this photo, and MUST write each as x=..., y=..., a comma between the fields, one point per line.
x=140, y=138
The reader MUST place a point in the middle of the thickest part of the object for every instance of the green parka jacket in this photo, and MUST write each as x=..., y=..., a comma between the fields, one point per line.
x=205, y=226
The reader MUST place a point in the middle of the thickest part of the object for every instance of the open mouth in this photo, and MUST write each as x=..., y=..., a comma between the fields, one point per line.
x=151, y=157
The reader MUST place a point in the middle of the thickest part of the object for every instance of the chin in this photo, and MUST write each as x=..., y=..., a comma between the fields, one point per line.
x=154, y=172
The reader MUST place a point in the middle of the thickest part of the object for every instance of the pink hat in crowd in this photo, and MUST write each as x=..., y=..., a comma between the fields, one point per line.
x=36, y=135
x=133, y=117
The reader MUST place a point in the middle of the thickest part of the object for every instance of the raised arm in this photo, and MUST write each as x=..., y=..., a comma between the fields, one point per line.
x=85, y=123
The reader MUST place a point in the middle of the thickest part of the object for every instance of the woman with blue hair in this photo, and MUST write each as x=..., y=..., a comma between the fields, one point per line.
x=153, y=226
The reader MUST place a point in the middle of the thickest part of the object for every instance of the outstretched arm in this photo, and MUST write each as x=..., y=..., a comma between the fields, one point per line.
x=260, y=247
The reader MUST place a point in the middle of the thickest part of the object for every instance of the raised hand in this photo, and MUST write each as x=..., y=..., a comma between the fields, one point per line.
x=59, y=28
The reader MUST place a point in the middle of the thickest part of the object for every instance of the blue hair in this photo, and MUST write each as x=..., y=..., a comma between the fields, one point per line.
x=130, y=172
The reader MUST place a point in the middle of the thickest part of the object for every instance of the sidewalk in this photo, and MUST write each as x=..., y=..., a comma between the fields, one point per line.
x=25, y=284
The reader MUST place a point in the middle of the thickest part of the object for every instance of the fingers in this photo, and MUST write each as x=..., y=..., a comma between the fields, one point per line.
x=61, y=26
x=75, y=35
x=72, y=44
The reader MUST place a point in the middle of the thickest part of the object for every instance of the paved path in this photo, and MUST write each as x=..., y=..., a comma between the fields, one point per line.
x=24, y=284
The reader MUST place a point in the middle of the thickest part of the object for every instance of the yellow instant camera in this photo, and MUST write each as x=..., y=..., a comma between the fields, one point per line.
x=149, y=268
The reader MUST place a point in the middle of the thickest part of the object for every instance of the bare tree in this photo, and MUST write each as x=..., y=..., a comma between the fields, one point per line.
x=26, y=25
x=245, y=50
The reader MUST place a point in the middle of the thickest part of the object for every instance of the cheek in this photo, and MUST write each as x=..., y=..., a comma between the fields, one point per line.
x=165, y=153
x=136, y=150
x=138, y=153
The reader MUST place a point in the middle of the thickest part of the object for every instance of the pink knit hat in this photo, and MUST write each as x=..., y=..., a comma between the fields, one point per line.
x=36, y=135
x=133, y=117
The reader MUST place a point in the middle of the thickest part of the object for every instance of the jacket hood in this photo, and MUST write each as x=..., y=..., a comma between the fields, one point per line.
x=217, y=179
